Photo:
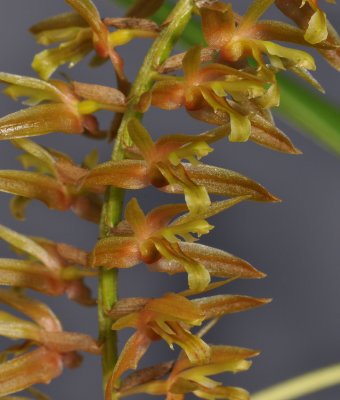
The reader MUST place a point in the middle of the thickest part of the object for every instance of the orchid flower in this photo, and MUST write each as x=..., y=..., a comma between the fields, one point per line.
x=238, y=38
x=54, y=182
x=49, y=267
x=161, y=166
x=169, y=318
x=55, y=346
x=78, y=34
x=209, y=84
x=184, y=377
x=318, y=30
x=154, y=240
x=47, y=101
x=263, y=129
x=317, y=26
x=311, y=17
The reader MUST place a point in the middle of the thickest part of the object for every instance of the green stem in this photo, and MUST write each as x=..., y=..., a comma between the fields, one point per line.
x=302, y=385
x=112, y=210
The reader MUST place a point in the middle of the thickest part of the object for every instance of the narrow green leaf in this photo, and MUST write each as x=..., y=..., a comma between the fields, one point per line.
x=310, y=111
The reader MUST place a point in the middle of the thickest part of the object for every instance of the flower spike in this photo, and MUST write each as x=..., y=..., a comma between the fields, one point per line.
x=229, y=80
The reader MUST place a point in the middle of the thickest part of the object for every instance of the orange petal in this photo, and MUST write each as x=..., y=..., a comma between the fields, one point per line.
x=141, y=138
x=89, y=12
x=219, y=263
x=332, y=56
x=254, y=12
x=135, y=217
x=71, y=254
x=127, y=174
x=224, y=182
x=275, y=30
x=129, y=357
x=64, y=342
x=127, y=306
x=192, y=62
x=173, y=307
x=144, y=380
x=60, y=21
x=216, y=306
x=218, y=23
x=115, y=252
x=267, y=134
x=168, y=94
x=161, y=216
x=101, y=95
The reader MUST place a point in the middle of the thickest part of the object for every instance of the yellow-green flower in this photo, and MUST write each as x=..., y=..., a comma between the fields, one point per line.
x=78, y=34
x=170, y=318
x=210, y=84
x=185, y=378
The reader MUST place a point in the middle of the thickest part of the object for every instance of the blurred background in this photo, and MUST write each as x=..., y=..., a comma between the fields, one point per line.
x=295, y=242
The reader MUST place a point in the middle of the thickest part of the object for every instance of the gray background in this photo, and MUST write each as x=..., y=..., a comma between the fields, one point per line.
x=295, y=242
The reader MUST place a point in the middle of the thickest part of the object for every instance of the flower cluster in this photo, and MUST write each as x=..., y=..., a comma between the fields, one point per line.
x=230, y=82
